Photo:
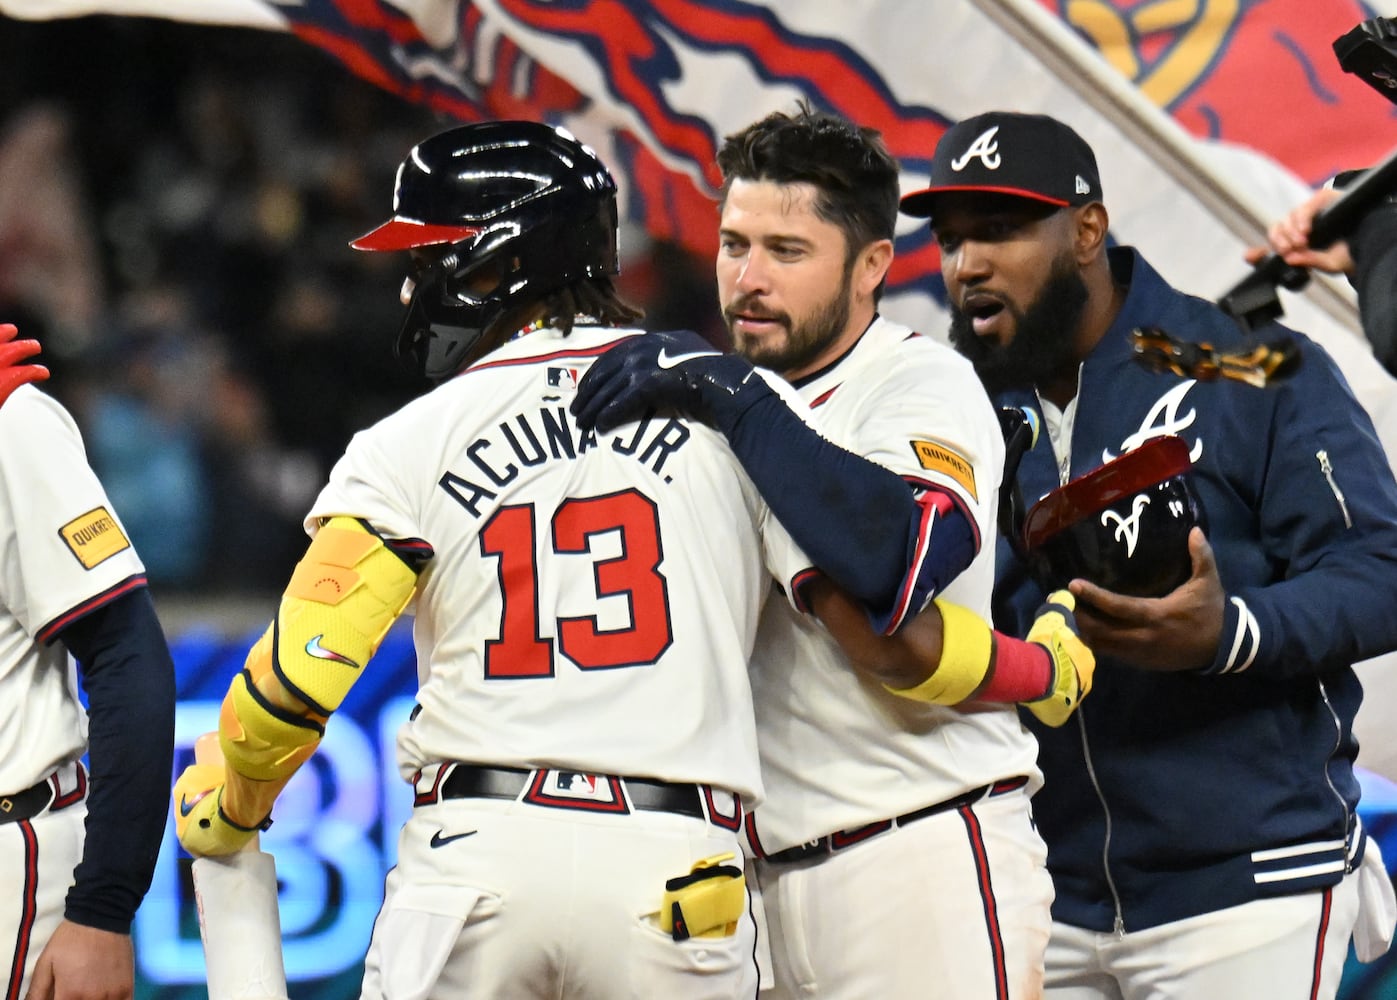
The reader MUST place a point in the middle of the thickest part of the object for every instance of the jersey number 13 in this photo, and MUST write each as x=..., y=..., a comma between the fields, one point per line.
x=511, y=535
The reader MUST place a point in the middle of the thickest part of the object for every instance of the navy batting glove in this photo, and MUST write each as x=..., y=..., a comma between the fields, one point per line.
x=674, y=369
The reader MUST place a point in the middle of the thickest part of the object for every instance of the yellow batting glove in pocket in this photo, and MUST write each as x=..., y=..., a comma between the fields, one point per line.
x=200, y=824
x=707, y=902
x=1055, y=629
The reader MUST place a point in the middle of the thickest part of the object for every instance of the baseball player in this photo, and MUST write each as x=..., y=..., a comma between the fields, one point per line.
x=1249, y=883
x=70, y=583
x=896, y=852
x=583, y=748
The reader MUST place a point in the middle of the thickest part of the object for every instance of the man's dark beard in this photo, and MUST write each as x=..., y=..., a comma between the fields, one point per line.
x=804, y=343
x=1043, y=335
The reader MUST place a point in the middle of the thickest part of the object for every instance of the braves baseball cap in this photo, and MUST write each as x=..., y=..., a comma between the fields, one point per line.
x=1006, y=152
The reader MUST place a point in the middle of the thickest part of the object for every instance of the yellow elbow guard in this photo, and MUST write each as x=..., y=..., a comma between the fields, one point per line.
x=342, y=599
x=967, y=649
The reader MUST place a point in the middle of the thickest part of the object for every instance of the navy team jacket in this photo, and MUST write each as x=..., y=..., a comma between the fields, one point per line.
x=1174, y=794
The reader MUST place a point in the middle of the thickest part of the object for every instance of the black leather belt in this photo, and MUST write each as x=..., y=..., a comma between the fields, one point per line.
x=563, y=790
x=26, y=804
x=841, y=839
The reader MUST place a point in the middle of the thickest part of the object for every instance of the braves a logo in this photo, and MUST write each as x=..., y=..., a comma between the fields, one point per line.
x=1128, y=527
x=985, y=148
x=1163, y=418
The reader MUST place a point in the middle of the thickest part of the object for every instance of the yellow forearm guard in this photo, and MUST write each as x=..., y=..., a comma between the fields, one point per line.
x=343, y=597
x=967, y=649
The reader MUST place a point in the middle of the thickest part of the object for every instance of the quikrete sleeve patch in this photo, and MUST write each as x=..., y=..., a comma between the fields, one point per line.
x=936, y=457
x=94, y=536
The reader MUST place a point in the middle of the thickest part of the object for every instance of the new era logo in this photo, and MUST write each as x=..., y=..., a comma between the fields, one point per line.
x=1082, y=186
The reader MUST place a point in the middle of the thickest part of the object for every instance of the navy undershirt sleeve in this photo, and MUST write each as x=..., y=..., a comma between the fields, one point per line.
x=129, y=679
x=857, y=521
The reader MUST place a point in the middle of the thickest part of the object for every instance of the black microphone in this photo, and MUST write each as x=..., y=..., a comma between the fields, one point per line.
x=1253, y=302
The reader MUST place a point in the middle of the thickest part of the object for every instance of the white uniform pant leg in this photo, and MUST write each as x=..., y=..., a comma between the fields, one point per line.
x=953, y=906
x=540, y=902
x=1288, y=948
x=37, y=858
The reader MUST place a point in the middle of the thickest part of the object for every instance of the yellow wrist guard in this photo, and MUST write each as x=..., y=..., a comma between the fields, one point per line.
x=967, y=649
x=201, y=826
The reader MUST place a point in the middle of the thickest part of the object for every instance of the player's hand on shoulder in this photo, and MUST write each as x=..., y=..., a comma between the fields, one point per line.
x=1074, y=665
x=200, y=824
x=13, y=372
x=1179, y=631
x=84, y=963
x=677, y=369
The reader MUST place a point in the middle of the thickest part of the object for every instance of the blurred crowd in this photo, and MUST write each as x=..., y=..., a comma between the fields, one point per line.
x=175, y=207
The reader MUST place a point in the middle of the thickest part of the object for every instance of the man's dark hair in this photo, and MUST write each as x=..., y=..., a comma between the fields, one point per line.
x=854, y=175
x=594, y=297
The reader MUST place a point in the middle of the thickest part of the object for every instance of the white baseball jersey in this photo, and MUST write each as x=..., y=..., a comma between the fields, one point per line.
x=592, y=600
x=63, y=552
x=837, y=751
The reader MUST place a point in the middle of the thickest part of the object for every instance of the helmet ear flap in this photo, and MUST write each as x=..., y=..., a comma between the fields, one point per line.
x=439, y=329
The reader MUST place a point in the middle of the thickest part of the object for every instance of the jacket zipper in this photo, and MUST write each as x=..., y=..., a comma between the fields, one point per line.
x=1064, y=474
x=1328, y=471
x=1343, y=807
x=1106, y=843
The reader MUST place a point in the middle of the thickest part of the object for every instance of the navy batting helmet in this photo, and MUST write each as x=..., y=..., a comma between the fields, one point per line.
x=1123, y=526
x=525, y=197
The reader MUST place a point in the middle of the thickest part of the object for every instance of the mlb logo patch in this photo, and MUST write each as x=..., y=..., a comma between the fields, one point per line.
x=563, y=378
x=571, y=785
x=574, y=790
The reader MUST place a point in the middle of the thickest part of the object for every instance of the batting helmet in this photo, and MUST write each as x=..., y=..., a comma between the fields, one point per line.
x=526, y=196
x=1123, y=526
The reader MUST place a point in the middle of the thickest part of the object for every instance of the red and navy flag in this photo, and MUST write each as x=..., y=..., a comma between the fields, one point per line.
x=1196, y=110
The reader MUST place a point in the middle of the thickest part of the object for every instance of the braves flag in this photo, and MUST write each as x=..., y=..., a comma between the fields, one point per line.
x=1250, y=85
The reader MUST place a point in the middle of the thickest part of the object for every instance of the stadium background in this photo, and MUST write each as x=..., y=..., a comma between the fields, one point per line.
x=175, y=203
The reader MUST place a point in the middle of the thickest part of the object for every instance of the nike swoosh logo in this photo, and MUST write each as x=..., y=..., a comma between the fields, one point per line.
x=313, y=648
x=439, y=841
x=186, y=807
x=666, y=360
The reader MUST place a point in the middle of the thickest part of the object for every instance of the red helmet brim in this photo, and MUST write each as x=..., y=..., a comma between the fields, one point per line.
x=407, y=234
